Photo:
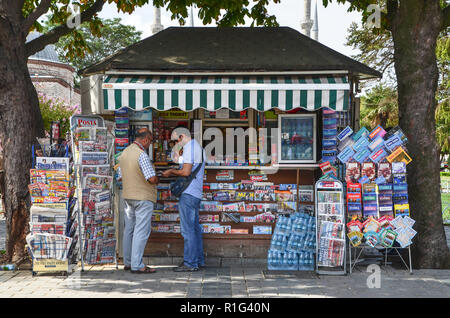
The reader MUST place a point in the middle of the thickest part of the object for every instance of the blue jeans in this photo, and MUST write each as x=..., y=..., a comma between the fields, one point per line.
x=191, y=230
x=138, y=219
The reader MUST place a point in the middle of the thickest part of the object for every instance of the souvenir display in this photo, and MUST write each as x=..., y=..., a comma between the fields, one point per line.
x=354, y=200
x=385, y=203
x=352, y=172
x=370, y=200
x=329, y=132
x=400, y=189
x=382, y=232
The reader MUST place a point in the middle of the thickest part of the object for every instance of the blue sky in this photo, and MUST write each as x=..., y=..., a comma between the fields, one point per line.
x=333, y=20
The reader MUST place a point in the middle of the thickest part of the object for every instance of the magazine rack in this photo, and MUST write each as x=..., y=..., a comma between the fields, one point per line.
x=96, y=228
x=330, y=227
x=52, y=236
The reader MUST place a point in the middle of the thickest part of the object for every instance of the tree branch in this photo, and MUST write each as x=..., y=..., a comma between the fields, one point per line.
x=446, y=17
x=392, y=7
x=33, y=16
x=53, y=35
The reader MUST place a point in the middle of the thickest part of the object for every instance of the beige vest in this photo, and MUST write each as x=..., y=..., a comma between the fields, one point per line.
x=135, y=187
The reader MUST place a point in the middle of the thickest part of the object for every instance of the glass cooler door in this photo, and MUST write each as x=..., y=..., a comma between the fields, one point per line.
x=297, y=138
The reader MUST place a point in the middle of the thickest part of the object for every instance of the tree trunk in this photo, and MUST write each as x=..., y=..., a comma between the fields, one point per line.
x=20, y=124
x=415, y=26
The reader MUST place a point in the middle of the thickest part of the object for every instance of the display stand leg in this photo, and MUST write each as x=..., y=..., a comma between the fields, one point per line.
x=410, y=262
x=357, y=258
x=409, y=252
x=385, y=257
x=350, y=257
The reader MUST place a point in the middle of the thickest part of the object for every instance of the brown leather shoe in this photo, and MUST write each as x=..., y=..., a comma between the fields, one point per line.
x=145, y=270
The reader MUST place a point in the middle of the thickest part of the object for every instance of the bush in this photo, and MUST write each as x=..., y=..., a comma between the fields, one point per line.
x=445, y=173
x=53, y=109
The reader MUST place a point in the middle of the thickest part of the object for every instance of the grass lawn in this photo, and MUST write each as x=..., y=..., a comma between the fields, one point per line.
x=445, y=197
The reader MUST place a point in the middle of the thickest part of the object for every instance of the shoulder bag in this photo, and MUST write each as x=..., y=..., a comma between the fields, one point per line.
x=178, y=186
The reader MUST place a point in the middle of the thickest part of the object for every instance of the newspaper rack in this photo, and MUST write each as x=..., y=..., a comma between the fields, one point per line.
x=91, y=239
x=52, y=238
x=330, y=227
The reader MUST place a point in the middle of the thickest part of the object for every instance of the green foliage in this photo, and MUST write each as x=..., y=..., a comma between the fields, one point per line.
x=56, y=110
x=379, y=107
x=445, y=174
x=114, y=36
x=376, y=49
x=76, y=45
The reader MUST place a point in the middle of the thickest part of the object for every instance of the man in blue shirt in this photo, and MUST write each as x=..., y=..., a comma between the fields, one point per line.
x=189, y=203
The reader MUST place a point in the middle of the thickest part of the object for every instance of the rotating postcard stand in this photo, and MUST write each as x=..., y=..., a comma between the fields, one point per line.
x=330, y=229
x=92, y=171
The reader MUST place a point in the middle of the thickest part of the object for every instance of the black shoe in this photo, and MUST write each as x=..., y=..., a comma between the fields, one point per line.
x=185, y=268
x=199, y=266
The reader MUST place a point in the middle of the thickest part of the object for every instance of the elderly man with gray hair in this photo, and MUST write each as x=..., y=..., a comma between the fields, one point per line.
x=139, y=182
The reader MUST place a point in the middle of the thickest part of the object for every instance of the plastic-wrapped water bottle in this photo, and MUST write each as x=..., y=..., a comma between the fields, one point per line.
x=284, y=242
x=300, y=260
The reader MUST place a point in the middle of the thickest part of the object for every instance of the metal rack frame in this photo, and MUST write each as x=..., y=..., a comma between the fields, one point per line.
x=77, y=176
x=362, y=247
x=340, y=189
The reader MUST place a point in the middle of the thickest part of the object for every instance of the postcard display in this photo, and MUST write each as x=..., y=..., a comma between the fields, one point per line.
x=377, y=190
x=92, y=161
x=52, y=236
x=330, y=229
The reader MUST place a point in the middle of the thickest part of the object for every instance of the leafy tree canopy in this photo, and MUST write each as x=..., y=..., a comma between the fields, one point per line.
x=114, y=36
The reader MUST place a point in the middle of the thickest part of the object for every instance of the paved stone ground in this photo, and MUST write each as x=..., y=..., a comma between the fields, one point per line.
x=233, y=281
x=223, y=282
x=3, y=232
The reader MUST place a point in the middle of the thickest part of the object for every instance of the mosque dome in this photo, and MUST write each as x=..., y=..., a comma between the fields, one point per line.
x=47, y=54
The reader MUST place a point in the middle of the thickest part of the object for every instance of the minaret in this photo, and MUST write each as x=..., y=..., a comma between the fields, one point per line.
x=315, y=28
x=192, y=15
x=307, y=23
x=157, y=26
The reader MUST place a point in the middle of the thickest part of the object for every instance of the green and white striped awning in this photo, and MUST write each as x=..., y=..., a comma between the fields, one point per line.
x=236, y=93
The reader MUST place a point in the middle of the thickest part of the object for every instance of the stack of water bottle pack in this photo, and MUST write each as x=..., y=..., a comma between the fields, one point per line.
x=293, y=243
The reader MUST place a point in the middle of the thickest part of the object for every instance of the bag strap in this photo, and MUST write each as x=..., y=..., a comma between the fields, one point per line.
x=194, y=174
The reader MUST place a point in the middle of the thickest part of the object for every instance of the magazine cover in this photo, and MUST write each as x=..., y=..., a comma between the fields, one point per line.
x=352, y=172
x=97, y=182
x=264, y=195
x=101, y=135
x=368, y=170
x=284, y=195
x=52, y=163
x=399, y=155
x=234, y=207
x=385, y=170
x=83, y=134
x=94, y=158
x=306, y=195
x=245, y=196
x=287, y=207
x=210, y=206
